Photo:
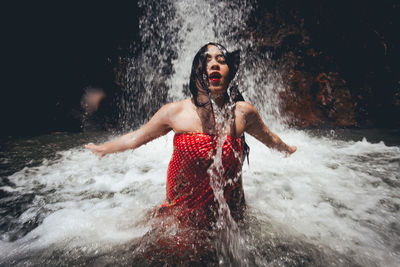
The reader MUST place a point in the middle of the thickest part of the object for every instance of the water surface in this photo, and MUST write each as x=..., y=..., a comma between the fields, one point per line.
x=333, y=203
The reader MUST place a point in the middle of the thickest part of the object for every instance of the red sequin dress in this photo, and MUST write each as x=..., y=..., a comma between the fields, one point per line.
x=189, y=195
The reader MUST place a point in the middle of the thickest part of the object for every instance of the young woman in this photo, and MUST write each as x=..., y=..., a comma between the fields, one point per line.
x=209, y=145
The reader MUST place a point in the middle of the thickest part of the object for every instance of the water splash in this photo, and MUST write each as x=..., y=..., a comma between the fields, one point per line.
x=147, y=70
x=171, y=32
x=229, y=242
x=333, y=202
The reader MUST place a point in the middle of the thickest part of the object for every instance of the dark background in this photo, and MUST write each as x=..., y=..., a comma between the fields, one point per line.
x=51, y=51
x=342, y=60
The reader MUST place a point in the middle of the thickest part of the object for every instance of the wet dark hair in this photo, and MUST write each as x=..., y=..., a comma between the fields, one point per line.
x=199, y=78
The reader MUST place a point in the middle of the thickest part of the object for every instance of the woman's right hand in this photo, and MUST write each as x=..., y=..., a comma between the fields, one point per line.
x=158, y=125
x=98, y=150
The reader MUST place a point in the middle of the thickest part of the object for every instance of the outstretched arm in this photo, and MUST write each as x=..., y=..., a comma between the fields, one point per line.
x=158, y=125
x=255, y=126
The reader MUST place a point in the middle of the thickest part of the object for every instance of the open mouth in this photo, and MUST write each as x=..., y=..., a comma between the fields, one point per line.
x=215, y=76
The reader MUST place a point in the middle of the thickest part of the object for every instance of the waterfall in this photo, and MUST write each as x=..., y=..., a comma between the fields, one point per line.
x=335, y=202
x=171, y=32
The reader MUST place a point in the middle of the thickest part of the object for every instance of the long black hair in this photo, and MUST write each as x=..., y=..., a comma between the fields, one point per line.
x=199, y=78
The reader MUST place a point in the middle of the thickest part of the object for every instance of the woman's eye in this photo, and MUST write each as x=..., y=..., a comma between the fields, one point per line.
x=221, y=60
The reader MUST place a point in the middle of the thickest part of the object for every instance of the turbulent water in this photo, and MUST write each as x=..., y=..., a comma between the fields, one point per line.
x=335, y=202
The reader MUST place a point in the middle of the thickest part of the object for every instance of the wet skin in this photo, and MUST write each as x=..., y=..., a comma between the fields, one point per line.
x=182, y=117
x=218, y=73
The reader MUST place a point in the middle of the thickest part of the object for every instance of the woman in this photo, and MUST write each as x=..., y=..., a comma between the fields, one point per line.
x=209, y=146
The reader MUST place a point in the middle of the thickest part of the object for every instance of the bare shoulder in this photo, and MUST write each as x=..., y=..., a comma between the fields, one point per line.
x=171, y=110
x=245, y=108
x=174, y=107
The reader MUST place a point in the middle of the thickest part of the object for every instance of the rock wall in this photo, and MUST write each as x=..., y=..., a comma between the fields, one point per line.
x=339, y=60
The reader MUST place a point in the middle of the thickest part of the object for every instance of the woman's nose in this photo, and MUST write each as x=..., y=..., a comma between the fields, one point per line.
x=214, y=65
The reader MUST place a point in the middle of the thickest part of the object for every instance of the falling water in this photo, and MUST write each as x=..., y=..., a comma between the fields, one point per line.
x=229, y=240
x=334, y=202
x=171, y=34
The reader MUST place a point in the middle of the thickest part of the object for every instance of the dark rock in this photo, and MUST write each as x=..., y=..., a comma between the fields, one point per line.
x=340, y=61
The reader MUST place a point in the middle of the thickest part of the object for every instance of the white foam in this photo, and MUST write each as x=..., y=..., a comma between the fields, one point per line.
x=328, y=192
x=324, y=193
x=317, y=193
x=95, y=201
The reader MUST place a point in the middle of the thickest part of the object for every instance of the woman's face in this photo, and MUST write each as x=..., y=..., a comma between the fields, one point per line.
x=217, y=71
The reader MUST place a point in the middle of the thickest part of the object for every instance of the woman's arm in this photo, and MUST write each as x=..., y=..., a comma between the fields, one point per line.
x=255, y=126
x=158, y=125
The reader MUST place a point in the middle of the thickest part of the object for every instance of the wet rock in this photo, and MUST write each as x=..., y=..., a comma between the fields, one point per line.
x=316, y=101
x=337, y=60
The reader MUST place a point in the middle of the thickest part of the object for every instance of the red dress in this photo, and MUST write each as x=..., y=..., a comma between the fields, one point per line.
x=190, y=197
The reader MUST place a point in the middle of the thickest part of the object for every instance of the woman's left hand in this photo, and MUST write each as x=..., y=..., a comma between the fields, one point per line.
x=292, y=149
